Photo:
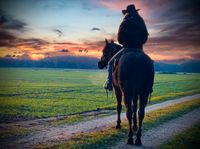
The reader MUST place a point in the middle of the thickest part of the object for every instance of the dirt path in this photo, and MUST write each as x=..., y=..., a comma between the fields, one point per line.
x=160, y=134
x=48, y=134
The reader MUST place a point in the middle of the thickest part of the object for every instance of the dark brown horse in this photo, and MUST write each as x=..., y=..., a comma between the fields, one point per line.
x=133, y=76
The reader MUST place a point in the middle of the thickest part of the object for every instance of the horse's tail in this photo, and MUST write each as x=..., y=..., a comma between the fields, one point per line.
x=136, y=73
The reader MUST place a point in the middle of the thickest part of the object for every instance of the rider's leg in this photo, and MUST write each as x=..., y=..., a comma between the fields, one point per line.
x=108, y=83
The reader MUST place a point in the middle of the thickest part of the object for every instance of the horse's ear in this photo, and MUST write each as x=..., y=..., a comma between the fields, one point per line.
x=106, y=41
x=112, y=41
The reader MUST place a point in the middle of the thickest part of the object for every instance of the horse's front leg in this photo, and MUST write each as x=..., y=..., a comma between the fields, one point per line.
x=119, y=107
x=141, y=114
x=128, y=104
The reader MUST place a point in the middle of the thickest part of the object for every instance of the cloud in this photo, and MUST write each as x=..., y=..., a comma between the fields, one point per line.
x=83, y=50
x=9, y=40
x=6, y=39
x=7, y=22
x=35, y=43
x=24, y=57
x=64, y=50
x=59, y=32
x=195, y=55
x=8, y=56
x=179, y=29
x=173, y=25
x=93, y=45
x=95, y=29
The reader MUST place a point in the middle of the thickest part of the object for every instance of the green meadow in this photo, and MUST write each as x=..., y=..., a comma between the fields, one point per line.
x=27, y=93
x=185, y=140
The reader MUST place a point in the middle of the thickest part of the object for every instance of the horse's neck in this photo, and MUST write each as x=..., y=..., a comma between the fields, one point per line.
x=115, y=49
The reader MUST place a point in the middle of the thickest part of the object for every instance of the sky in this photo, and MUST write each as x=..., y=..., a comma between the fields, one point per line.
x=37, y=29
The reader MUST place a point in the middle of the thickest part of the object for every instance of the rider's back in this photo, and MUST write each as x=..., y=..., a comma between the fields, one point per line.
x=132, y=32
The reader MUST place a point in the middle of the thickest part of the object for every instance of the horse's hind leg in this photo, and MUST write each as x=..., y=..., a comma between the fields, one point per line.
x=141, y=113
x=119, y=108
x=134, y=106
x=128, y=103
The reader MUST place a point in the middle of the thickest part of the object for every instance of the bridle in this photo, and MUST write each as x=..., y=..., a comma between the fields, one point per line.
x=108, y=52
x=105, y=57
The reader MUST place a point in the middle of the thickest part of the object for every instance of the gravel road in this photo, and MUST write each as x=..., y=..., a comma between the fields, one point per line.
x=49, y=134
x=160, y=134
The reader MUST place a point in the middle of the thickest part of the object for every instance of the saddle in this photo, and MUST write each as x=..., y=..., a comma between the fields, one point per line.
x=126, y=51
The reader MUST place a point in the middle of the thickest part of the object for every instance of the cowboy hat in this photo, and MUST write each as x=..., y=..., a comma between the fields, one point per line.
x=130, y=9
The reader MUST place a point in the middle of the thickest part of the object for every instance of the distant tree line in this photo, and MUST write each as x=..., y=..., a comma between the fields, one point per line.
x=77, y=62
x=72, y=62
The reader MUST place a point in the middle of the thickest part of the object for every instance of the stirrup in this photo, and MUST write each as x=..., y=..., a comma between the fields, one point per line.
x=108, y=86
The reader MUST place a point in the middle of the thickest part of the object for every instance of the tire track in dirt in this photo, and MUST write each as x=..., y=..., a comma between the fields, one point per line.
x=158, y=135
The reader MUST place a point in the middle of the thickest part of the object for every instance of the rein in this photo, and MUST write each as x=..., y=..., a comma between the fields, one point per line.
x=115, y=52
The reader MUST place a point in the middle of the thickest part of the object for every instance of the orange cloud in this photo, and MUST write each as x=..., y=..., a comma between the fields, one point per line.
x=91, y=49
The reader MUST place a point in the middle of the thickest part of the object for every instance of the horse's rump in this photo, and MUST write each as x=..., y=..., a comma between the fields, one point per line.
x=135, y=73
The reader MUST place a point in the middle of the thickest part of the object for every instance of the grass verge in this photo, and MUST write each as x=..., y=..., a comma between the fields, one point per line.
x=186, y=140
x=108, y=137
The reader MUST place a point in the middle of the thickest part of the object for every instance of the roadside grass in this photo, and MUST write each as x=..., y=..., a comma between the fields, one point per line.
x=108, y=137
x=27, y=93
x=12, y=132
x=186, y=140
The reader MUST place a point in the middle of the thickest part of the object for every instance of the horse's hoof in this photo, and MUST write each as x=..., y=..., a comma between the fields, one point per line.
x=130, y=141
x=138, y=142
x=118, y=127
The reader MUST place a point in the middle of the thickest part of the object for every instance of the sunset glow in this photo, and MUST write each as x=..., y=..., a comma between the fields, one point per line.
x=37, y=56
x=39, y=29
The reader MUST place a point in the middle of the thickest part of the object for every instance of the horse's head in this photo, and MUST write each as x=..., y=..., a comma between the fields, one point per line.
x=109, y=50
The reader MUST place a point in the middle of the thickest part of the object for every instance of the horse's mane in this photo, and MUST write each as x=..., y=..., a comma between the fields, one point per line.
x=115, y=48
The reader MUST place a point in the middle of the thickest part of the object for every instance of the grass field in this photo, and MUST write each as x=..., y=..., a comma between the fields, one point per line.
x=34, y=93
x=186, y=140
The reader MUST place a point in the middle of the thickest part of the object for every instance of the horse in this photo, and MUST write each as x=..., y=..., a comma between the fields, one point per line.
x=133, y=77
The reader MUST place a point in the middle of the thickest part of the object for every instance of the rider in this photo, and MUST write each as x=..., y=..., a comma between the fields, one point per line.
x=132, y=34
